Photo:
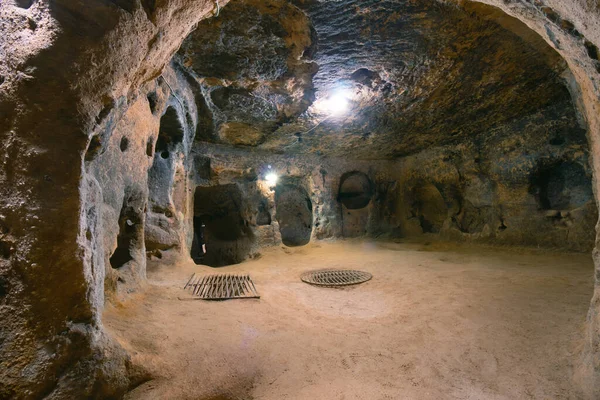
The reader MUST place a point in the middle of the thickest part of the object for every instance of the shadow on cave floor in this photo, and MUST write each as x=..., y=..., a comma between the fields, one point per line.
x=438, y=320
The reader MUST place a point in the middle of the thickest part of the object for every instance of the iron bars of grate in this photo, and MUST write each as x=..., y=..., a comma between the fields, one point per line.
x=222, y=287
x=335, y=277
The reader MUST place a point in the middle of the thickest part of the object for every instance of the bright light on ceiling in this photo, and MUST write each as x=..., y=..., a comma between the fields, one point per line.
x=336, y=104
x=271, y=178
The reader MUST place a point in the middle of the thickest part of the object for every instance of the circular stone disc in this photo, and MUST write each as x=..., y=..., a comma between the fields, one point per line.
x=335, y=277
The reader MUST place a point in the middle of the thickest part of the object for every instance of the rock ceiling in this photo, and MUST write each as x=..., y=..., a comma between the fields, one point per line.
x=415, y=74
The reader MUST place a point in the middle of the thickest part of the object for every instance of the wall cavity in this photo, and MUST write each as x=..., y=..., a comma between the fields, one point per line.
x=294, y=213
x=227, y=235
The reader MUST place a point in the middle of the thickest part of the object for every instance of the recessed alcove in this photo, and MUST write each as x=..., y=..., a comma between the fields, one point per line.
x=218, y=220
x=294, y=214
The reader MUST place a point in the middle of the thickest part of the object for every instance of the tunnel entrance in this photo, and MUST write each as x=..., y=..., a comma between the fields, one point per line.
x=226, y=233
x=171, y=133
x=355, y=193
x=165, y=184
x=430, y=208
x=562, y=186
x=161, y=174
x=294, y=214
x=264, y=216
x=130, y=230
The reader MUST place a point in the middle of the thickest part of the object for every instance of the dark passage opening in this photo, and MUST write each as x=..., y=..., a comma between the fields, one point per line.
x=130, y=230
x=152, y=101
x=24, y=3
x=171, y=131
x=162, y=221
x=160, y=175
x=294, y=214
x=562, y=186
x=429, y=206
x=355, y=191
x=263, y=217
x=226, y=234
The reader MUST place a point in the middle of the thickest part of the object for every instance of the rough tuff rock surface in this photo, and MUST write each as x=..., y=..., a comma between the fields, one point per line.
x=517, y=191
x=415, y=74
x=253, y=68
x=489, y=110
x=122, y=132
x=74, y=132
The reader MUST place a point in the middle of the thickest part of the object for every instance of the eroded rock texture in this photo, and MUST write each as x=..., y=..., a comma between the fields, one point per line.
x=253, y=68
x=416, y=74
x=524, y=189
x=74, y=126
x=465, y=100
x=125, y=125
x=307, y=203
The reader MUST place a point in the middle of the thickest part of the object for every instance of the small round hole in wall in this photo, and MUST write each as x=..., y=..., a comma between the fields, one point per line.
x=124, y=145
x=165, y=154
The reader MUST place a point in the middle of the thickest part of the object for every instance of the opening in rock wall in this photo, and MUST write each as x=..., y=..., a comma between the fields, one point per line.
x=150, y=147
x=263, y=217
x=355, y=191
x=294, y=214
x=24, y=3
x=160, y=175
x=152, y=101
x=226, y=234
x=94, y=148
x=429, y=206
x=197, y=252
x=171, y=131
x=202, y=167
x=5, y=249
x=124, y=145
x=130, y=230
x=3, y=288
x=561, y=186
x=163, y=223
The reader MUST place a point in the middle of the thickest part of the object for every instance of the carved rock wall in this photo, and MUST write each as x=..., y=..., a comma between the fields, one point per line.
x=70, y=74
x=99, y=164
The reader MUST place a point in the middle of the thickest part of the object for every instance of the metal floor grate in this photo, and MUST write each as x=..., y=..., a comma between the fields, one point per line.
x=335, y=277
x=222, y=287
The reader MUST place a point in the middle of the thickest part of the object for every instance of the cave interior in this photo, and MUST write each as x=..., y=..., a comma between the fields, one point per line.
x=449, y=148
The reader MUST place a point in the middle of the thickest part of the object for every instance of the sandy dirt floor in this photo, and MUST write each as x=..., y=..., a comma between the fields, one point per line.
x=437, y=321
